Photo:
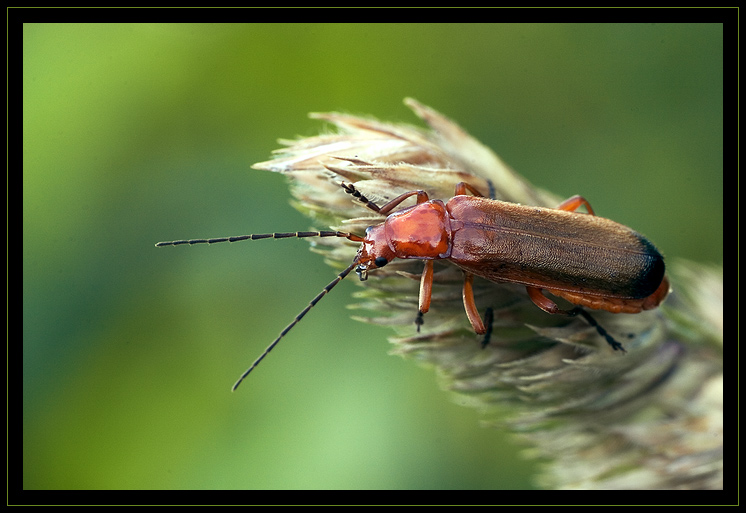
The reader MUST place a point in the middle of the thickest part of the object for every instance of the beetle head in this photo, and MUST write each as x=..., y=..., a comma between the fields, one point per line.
x=374, y=252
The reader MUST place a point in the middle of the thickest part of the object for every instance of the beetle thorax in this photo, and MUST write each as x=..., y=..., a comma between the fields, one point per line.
x=422, y=231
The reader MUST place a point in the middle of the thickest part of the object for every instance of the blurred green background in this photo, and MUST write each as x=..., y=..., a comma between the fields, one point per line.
x=134, y=134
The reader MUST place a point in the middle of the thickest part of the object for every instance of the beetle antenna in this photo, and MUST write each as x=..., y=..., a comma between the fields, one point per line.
x=350, y=189
x=256, y=236
x=278, y=235
x=298, y=317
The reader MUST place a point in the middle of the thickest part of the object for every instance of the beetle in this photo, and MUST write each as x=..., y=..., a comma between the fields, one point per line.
x=587, y=260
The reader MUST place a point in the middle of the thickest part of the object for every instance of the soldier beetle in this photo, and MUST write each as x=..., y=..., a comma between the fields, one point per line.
x=588, y=260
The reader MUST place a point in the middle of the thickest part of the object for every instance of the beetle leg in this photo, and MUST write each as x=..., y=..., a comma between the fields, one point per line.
x=616, y=346
x=549, y=306
x=489, y=317
x=491, y=186
x=574, y=203
x=426, y=292
x=462, y=187
x=544, y=302
x=470, y=305
x=422, y=197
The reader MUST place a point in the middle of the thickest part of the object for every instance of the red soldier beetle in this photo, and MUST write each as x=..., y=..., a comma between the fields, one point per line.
x=587, y=260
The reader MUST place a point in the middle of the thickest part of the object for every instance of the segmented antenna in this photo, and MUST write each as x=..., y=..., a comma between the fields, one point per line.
x=298, y=317
x=257, y=236
x=350, y=189
x=278, y=235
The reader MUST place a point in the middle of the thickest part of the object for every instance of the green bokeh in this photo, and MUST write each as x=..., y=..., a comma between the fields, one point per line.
x=138, y=133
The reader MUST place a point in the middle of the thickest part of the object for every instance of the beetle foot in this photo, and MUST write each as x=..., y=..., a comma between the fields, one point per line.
x=489, y=318
x=419, y=321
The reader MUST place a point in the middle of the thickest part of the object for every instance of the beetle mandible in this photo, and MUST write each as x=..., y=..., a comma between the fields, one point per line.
x=588, y=260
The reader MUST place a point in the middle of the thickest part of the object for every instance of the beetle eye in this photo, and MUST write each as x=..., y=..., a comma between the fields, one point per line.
x=380, y=261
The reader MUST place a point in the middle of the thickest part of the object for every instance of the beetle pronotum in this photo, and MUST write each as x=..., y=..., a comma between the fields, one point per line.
x=588, y=260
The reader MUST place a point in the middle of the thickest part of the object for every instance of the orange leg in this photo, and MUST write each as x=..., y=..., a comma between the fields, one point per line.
x=545, y=303
x=426, y=292
x=574, y=203
x=462, y=187
x=549, y=306
x=470, y=305
x=422, y=197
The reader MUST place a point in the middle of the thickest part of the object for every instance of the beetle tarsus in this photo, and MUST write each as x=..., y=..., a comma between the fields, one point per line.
x=489, y=318
x=419, y=320
x=616, y=346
